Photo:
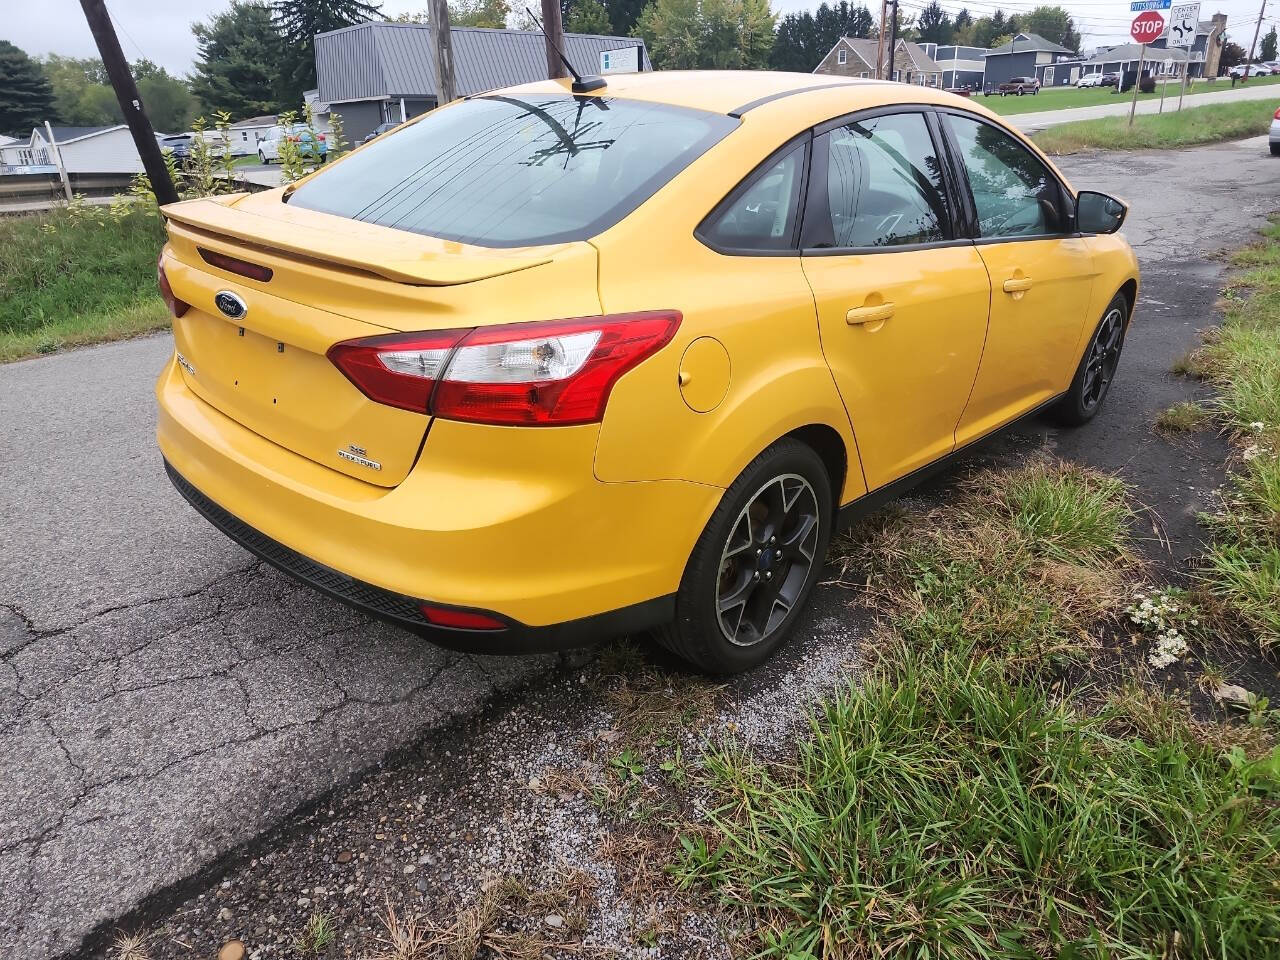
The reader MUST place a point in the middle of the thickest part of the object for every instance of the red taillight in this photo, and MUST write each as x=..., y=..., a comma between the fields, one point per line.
x=294, y=139
x=176, y=307
x=551, y=373
x=460, y=619
x=244, y=268
x=1277, y=116
x=320, y=137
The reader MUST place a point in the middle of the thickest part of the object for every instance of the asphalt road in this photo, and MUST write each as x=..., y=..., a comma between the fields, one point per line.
x=164, y=698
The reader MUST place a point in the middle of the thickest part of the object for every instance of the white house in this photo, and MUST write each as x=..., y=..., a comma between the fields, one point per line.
x=83, y=150
x=245, y=134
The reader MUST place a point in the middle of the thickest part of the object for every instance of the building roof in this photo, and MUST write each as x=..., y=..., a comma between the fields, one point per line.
x=266, y=120
x=1130, y=51
x=867, y=60
x=1026, y=43
x=65, y=134
x=381, y=59
x=866, y=50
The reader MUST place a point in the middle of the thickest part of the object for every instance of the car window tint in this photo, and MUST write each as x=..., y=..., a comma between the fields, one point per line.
x=884, y=183
x=1014, y=193
x=763, y=216
x=509, y=171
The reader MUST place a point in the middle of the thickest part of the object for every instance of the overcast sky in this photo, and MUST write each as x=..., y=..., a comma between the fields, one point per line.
x=161, y=29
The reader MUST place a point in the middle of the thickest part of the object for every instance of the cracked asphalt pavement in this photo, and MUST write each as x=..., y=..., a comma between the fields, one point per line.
x=165, y=698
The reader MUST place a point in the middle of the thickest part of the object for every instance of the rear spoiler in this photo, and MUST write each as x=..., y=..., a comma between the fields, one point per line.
x=265, y=222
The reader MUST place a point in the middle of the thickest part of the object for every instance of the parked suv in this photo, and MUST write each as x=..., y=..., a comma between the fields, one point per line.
x=1019, y=86
x=269, y=146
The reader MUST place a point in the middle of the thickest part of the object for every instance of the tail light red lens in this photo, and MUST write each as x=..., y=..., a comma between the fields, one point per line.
x=553, y=373
x=1277, y=116
x=460, y=619
x=176, y=307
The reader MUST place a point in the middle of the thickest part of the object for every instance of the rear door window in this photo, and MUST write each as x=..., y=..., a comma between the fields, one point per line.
x=505, y=171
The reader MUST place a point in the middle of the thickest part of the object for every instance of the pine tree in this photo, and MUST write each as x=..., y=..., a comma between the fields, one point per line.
x=298, y=22
x=1267, y=52
x=26, y=98
x=235, y=67
x=588, y=16
x=934, y=25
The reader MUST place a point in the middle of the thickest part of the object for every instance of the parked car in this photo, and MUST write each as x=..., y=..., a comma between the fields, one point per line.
x=269, y=145
x=1275, y=134
x=1252, y=69
x=1018, y=86
x=511, y=391
x=179, y=145
x=380, y=129
x=960, y=91
x=1098, y=80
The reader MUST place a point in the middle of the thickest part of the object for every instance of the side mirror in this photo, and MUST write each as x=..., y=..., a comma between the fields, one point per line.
x=1099, y=212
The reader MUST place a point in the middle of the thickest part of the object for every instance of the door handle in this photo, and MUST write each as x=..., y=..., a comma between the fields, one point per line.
x=876, y=314
x=1017, y=285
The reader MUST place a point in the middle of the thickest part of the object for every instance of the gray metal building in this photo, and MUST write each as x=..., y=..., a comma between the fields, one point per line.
x=379, y=71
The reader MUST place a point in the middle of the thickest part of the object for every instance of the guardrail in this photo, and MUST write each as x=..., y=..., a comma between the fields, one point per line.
x=34, y=192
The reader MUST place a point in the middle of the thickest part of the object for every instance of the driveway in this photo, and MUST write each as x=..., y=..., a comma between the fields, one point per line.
x=1031, y=122
x=164, y=698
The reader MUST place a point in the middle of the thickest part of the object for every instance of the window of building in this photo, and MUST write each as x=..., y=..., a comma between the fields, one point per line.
x=842, y=56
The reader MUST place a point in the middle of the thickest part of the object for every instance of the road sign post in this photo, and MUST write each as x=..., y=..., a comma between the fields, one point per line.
x=1148, y=25
x=1184, y=24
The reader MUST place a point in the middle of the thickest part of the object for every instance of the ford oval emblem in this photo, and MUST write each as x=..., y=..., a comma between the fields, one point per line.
x=230, y=304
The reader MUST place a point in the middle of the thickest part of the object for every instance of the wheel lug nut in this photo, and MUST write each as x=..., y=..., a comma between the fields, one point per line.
x=758, y=552
x=769, y=576
x=773, y=539
x=756, y=575
x=777, y=554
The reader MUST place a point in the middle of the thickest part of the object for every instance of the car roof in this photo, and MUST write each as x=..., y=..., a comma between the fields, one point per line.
x=727, y=91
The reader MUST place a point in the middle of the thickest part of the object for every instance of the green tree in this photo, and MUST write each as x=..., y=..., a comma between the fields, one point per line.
x=708, y=34
x=1268, y=50
x=297, y=22
x=169, y=102
x=1054, y=24
x=588, y=16
x=962, y=29
x=479, y=13
x=803, y=39
x=26, y=97
x=80, y=92
x=624, y=16
x=934, y=25
x=235, y=68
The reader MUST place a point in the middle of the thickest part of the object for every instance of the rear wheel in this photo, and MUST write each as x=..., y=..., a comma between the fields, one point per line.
x=1275, y=148
x=754, y=566
x=262, y=158
x=1097, y=368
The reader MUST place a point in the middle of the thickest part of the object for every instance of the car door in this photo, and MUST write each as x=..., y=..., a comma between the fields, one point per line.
x=901, y=299
x=1041, y=274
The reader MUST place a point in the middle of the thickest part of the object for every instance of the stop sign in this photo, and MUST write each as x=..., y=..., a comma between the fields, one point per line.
x=1147, y=26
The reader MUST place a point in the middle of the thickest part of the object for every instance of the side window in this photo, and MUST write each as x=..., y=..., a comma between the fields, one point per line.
x=884, y=183
x=763, y=215
x=1014, y=193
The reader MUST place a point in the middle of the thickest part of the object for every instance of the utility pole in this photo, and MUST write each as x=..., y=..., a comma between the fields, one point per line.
x=893, y=38
x=1261, y=10
x=144, y=137
x=553, y=30
x=446, y=89
x=880, y=42
x=1137, y=81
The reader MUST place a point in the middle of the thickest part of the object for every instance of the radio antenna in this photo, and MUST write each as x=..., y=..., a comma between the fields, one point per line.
x=581, y=84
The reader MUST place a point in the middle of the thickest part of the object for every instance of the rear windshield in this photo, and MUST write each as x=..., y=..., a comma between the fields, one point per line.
x=505, y=171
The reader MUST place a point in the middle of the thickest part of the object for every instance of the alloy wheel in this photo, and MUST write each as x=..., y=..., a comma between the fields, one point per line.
x=1104, y=356
x=767, y=559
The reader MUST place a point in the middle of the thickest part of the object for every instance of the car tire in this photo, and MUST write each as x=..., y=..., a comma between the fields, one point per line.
x=1097, y=369
x=1275, y=149
x=775, y=519
x=262, y=158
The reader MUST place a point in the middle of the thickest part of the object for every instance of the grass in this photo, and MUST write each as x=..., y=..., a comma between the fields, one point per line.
x=1066, y=98
x=957, y=804
x=1184, y=417
x=1242, y=566
x=317, y=935
x=73, y=276
x=1165, y=131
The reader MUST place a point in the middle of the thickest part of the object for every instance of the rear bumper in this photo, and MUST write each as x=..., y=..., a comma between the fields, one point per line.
x=1275, y=131
x=403, y=611
x=510, y=521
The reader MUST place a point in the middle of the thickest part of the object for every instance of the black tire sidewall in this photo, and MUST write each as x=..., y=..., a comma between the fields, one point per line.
x=696, y=621
x=1071, y=409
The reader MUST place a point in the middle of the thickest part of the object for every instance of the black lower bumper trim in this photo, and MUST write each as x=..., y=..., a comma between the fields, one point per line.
x=403, y=611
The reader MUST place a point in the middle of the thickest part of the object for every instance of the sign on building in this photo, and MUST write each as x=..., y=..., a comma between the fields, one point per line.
x=621, y=60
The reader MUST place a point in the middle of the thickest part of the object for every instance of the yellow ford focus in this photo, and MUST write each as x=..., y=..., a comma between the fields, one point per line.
x=539, y=368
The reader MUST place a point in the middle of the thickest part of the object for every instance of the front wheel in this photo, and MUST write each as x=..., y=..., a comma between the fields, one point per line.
x=1097, y=369
x=1275, y=149
x=754, y=567
x=262, y=158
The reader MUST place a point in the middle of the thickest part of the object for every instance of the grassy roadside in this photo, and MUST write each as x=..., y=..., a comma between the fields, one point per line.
x=1066, y=98
x=72, y=277
x=1163, y=131
x=1242, y=359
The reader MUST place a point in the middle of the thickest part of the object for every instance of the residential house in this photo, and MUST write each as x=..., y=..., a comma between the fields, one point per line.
x=856, y=57
x=1122, y=59
x=378, y=71
x=1026, y=55
x=1205, y=50
x=83, y=150
x=245, y=134
x=962, y=67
